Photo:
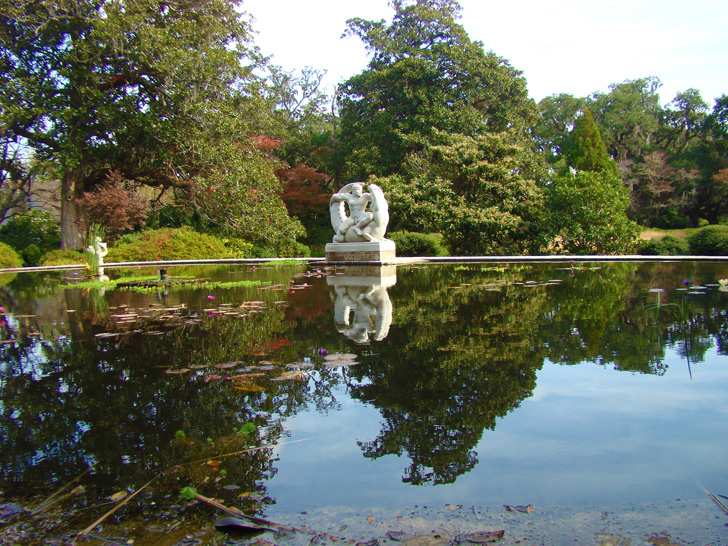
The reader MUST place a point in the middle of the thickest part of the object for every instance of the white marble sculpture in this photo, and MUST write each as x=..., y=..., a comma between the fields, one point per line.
x=361, y=225
x=98, y=251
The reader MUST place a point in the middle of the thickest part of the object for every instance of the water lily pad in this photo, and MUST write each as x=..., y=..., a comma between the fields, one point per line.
x=178, y=371
x=339, y=356
x=247, y=387
x=341, y=363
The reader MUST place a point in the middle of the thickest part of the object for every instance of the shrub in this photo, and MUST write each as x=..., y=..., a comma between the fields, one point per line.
x=288, y=249
x=8, y=257
x=709, y=241
x=167, y=244
x=114, y=204
x=63, y=257
x=418, y=244
x=31, y=234
x=292, y=249
x=240, y=248
x=667, y=246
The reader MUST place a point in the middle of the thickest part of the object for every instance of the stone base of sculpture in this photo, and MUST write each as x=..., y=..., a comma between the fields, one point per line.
x=376, y=252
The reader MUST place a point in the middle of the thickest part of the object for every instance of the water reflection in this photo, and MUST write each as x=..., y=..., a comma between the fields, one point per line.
x=138, y=385
x=362, y=306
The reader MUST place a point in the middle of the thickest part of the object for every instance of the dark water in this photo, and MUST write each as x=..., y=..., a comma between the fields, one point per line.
x=548, y=384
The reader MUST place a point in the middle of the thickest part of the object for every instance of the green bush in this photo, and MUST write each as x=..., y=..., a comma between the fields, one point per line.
x=8, y=257
x=709, y=241
x=31, y=234
x=667, y=246
x=288, y=249
x=292, y=249
x=167, y=244
x=411, y=244
x=240, y=248
x=672, y=219
x=63, y=257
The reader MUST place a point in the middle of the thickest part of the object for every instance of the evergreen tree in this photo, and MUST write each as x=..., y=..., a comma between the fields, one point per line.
x=586, y=150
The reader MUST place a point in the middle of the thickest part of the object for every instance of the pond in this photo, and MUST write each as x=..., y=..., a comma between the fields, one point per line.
x=588, y=398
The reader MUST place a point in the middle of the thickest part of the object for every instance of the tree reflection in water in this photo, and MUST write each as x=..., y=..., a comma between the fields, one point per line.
x=463, y=350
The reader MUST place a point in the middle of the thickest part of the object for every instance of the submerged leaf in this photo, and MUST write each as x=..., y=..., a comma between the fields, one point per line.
x=528, y=509
x=227, y=525
x=116, y=497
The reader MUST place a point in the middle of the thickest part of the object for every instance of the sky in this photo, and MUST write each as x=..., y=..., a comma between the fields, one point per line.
x=562, y=46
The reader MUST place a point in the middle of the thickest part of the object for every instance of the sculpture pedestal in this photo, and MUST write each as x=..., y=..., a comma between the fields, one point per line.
x=378, y=252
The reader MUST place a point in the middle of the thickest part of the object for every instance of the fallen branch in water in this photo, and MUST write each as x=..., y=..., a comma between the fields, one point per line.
x=91, y=527
x=260, y=521
x=248, y=450
x=52, y=500
x=714, y=499
x=233, y=511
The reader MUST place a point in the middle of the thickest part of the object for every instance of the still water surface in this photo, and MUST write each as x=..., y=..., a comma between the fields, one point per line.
x=550, y=384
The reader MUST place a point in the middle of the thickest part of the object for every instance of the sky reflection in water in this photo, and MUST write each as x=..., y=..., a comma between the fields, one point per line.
x=485, y=391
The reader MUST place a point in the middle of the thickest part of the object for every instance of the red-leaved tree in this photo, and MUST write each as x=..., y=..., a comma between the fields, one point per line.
x=115, y=205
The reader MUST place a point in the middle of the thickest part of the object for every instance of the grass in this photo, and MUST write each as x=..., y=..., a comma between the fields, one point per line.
x=654, y=233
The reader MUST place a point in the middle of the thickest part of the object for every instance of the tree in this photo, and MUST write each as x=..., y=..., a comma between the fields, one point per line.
x=588, y=213
x=585, y=149
x=425, y=75
x=479, y=192
x=115, y=204
x=662, y=195
x=306, y=118
x=628, y=117
x=158, y=90
x=16, y=180
x=683, y=121
x=558, y=115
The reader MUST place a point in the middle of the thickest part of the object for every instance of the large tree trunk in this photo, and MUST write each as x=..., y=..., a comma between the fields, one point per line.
x=70, y=192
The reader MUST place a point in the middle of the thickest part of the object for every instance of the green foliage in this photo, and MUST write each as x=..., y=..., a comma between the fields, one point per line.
x=418, y=244
x=166, y=93
x=8, y=257
x=188, y=493
x=285, y=249
x=480, y=193
x=167, y=244
x=425, y=75
x=709, y=241
x=238, y=247
x=667, y=246
x=628, y=117
x=63, y=257
x=585, y=150
x=31, y=234
x=249, y=429
x=588, y=214
x=558, y=115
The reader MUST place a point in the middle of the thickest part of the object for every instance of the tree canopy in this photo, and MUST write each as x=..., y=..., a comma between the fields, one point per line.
x=425, y=75
x=162, y=91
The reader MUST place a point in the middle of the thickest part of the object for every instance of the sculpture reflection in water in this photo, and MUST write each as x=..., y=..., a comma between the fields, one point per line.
x=363, y=310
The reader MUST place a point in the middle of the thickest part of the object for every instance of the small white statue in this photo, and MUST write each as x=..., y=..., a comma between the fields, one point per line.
x=98, y=250
x=361, y=225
